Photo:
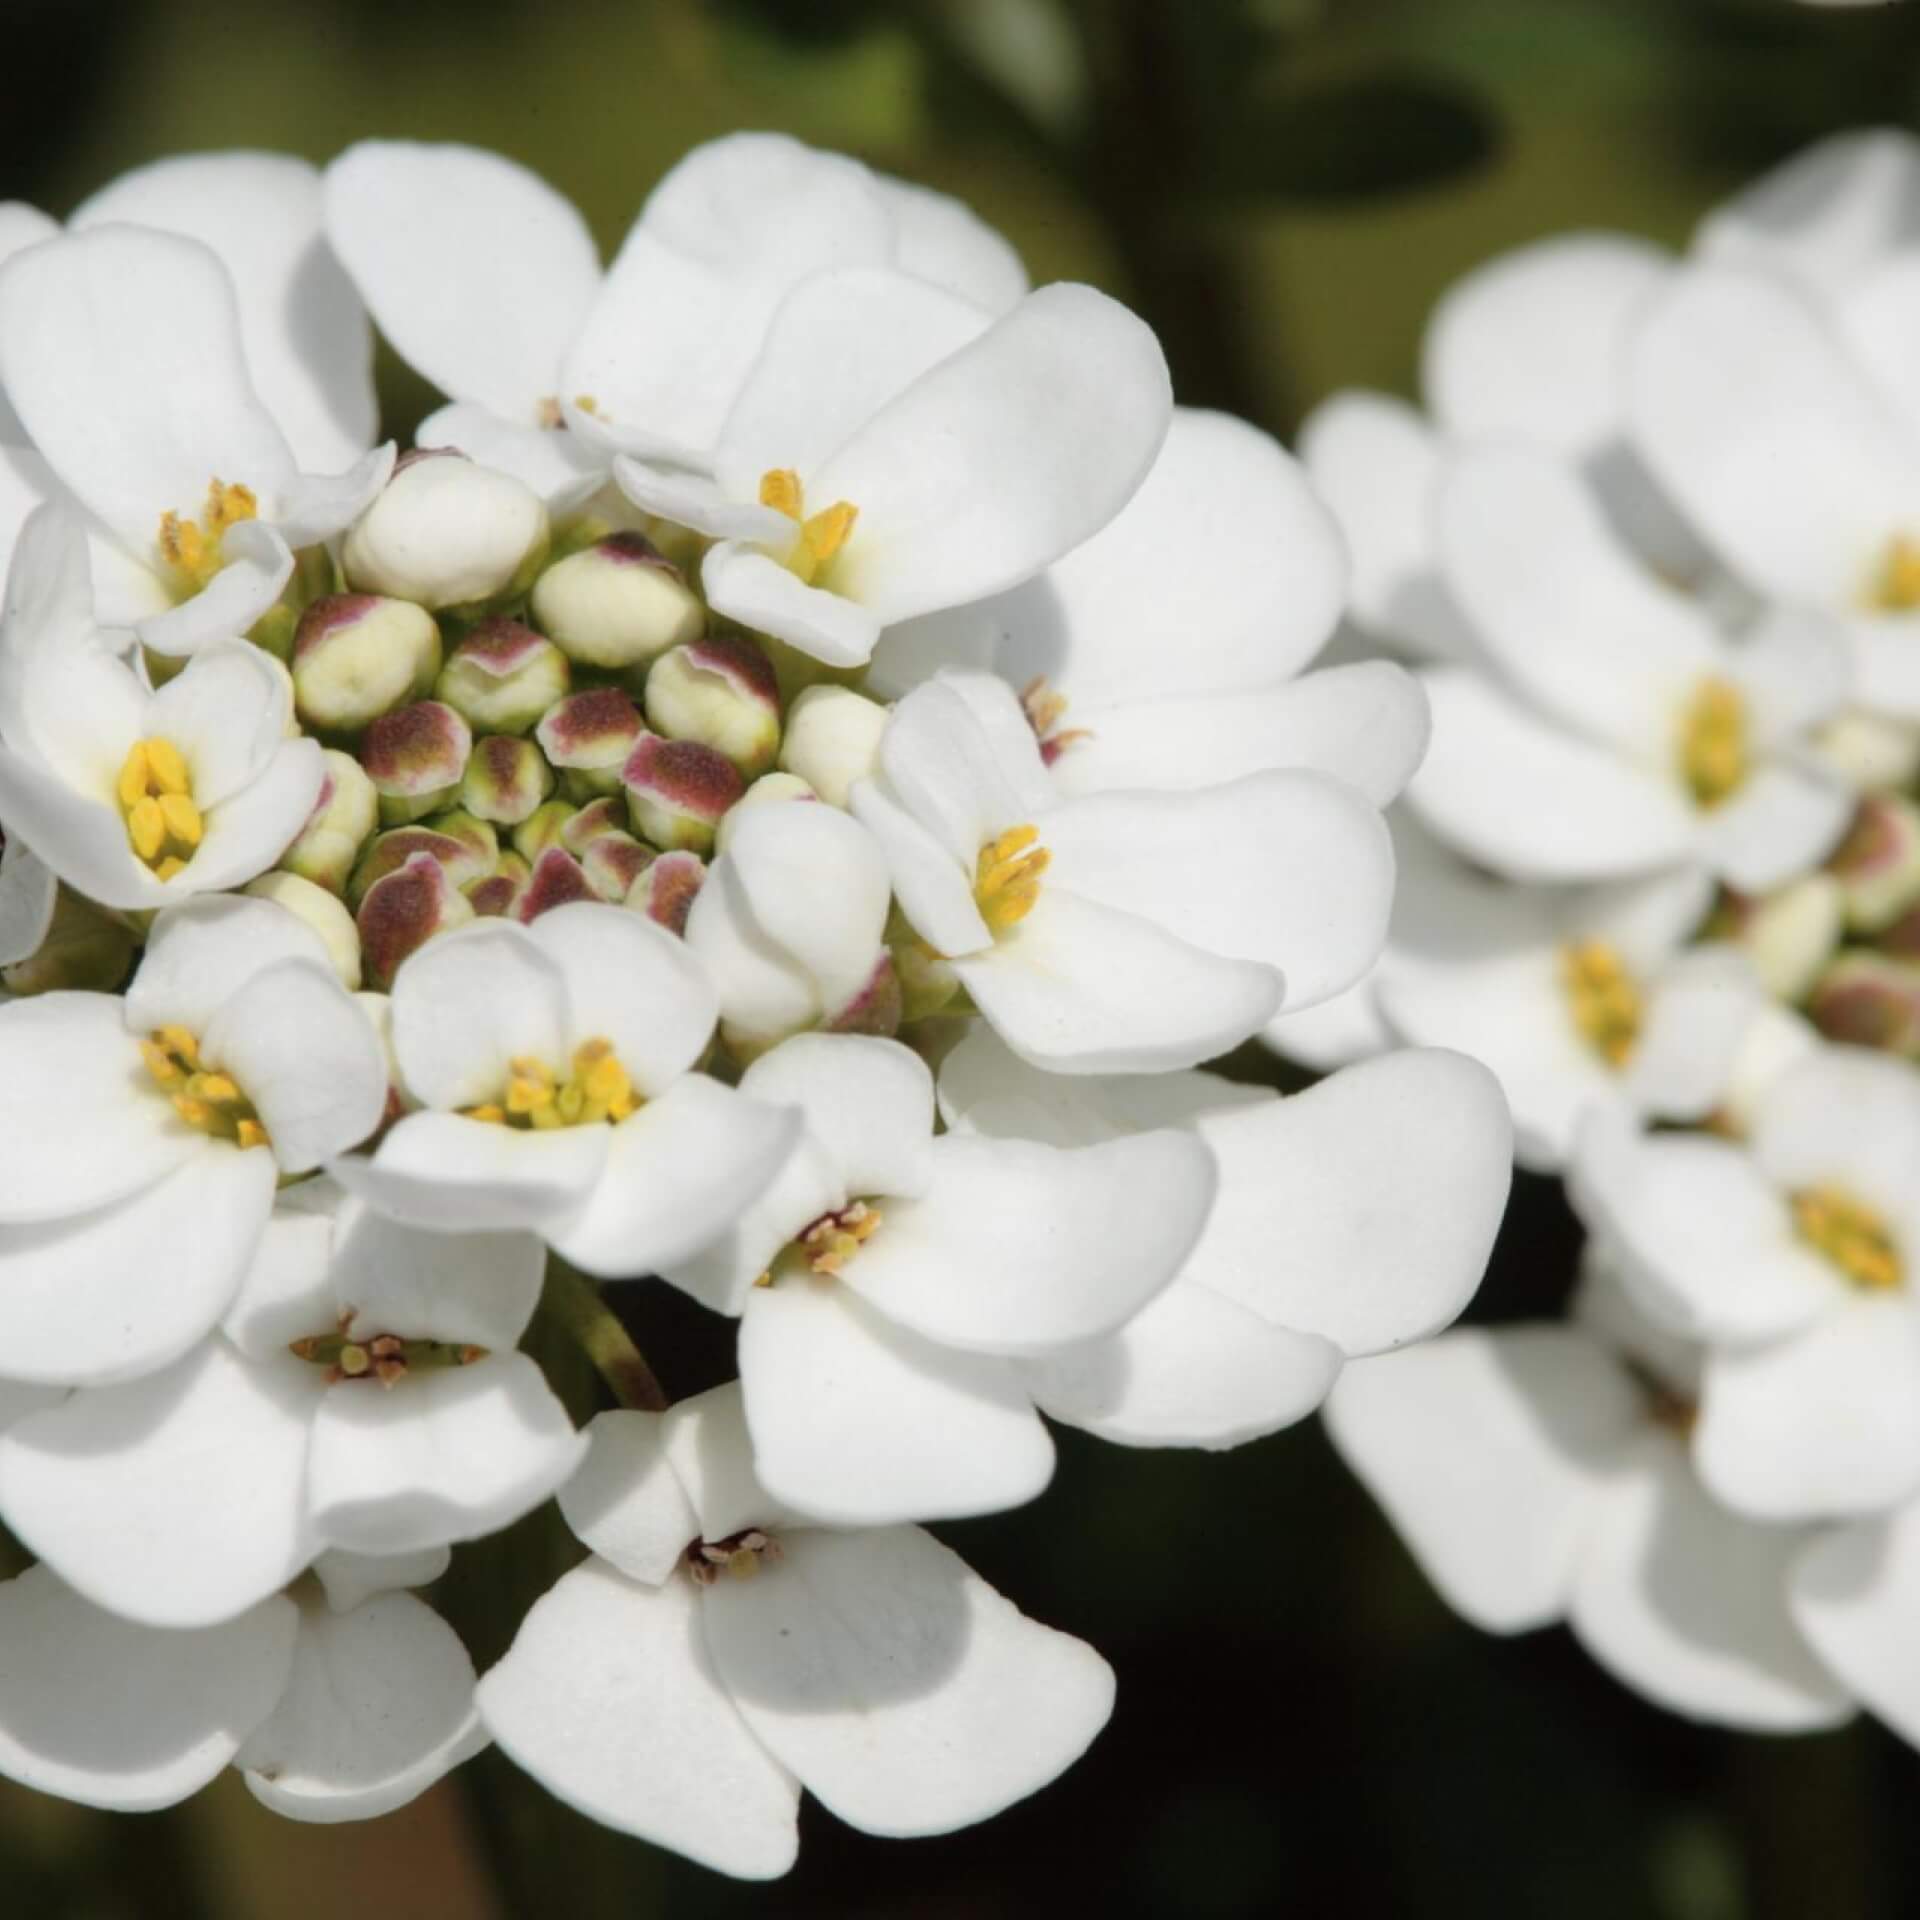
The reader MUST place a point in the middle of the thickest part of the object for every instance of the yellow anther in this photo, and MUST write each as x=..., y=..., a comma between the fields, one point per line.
x=1006, y=879
x=214, y=1088
x=166, y=767
x=597, y=1088
x=192, y=549
x=742, y=1563
x=180, y=1043
x=168, y=867
x=147, y=828
x=822, y=534
x=249, y=1133
x=780, y=489
x=155, y=790
x=160, y=1063
x=1895, y=583
x=354, y=1360
x=1714, y=752
x=196, y=1113
x=182, y=819
x=1603, y=998
x=208, y=1101
x=492, y=1113
x=530, y=1088
x=1852, y=1235
x=835, y=1238
x=135, y=773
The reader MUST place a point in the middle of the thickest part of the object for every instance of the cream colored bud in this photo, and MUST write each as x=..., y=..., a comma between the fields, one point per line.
x=722, y=692
x=357, y=655
x=832, y=739
x=616, y=603
x=1792, y=933
x=342, y=822
x=503, y=676
x=323, y=912
x=769, y=789
x=1871, y=752
x=446, y=532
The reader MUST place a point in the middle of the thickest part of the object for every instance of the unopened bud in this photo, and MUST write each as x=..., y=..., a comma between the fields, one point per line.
x=1878, y=863
x=557, y=880
x=415, y=757
x=356, y=655
x=1792, y=933
x=927, y=980
x=544, y=827
x=86, y=950
x=722, y=692
x=876, y=1008
x=347, y=812
x=612, y=862
x=665, y=891
x=320, y=910
x=769, y=788
x=463, y=859
x=402, y=911
x=446, y=532
x=503, y=676
x=506, y=779
x=605, y=815
x=587, y=738
x=832, y=739
x=498, y=895
x=616, y=603
x=678, y=792
x=1868, y=1000
x=1872, y=753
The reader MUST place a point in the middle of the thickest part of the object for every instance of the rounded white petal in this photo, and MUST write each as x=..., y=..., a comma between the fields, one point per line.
x=1853, y=1591
x=712, y=1457
x=348, y=1579
x=867, y=1103
x=227, y=712
x=198, y=957
x=625, y=1501
x=447, y=1173
x=748, y=586
x=1847, y=1117
x=477, y=1289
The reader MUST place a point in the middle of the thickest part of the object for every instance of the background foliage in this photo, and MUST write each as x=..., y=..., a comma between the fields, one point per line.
x=1283, y=187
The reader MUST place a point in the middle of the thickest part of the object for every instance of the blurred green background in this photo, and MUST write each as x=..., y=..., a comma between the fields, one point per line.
x=1283, y=187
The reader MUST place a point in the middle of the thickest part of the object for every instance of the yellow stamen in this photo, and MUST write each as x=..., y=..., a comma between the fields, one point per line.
x=155, y=791
x=1603, y=998
x=598, y=1088
x=832, y=1241
x=1006, y=880
x=822, y=534
x=780, y=489
x=191, y=549
x=1852, y=1235
x=166, y=767
x=1895, y=584
x=209, y=1102
x=147, y=828
x=1714, y=755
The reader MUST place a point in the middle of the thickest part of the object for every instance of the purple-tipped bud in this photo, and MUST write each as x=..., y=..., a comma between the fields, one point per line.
x=447, y=532
x=608, y=814
x=769, y=789
x=587, y=738
x=506, y=779
x=722, y=692
x=463, y=859
x=832, y=739
x=357, y=656
x=503, y=676
x=616, y=603
x=415, y=757
x=678, y=792
x=544, y=827
x=401, y=912
x=1791, y=933
x=342, y=820
x=498, y=895
x=1868, y=1000
x=876, y=1008
x=612, y=862
x=556, y=881
x=665, y=891
x=1878, y=864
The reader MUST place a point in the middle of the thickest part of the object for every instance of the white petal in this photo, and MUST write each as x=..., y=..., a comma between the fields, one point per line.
x=1489, y=1452
x=608, y=1697
x=907, y=1695
x=82, y=841
x=175, y=1499
x=249, y=833
x=932, y=883
x=448, y=1454
x=746, y=585
x=1701, y=1010
x=1784, y=820
x=451, y=1174
x=200, y=956
x=867, y=1103
x=115, y=1715
x=227, y=713
x=712, y=1457
x=1853, y=1591
x=858, y=1423
x=693, y=500
x=378, y=1706
x=256, y=565
x=560, y=467
x=1850, y=1118
x=476, y=270
x=477, y=1289
x=349, y=1579
x=941, y=239
x=625, y=1501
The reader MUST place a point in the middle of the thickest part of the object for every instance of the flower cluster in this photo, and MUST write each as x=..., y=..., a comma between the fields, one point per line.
x=780, y=794
x=1654, y=544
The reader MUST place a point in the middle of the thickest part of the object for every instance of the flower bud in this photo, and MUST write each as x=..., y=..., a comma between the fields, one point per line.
x=503, y=676
x=506, y=779
x=1869, y=751
x=463, y=859
x=446, y=532
x=402, y=911
x=320, y=910
x=678, y=792
x=665, y=892
x=556, y=881
x=498, y=895
x=1791, y=934
x=722, y=692
x=347, y=812
x=612, y=862
x=832, y=739
x=770, y=787
x=415, y=757
x=927, y=980
x=544, y=827
x=1867, y=1000
x=85, y=950
x=605, y=815
x=876, y=1008
x=356, y=655
x=1878, y=863
x=616, y=603
x=587, y=738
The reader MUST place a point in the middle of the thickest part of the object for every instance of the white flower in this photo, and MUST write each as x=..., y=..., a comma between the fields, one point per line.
x=1855, y=1593
x=1540, y=1473
x=552, y=1064
x=487, y=282
x=1162, y=653
x=340, y=1700
x=142, y=1137
x=363, y=1395
x=135, y=797
x=1296, y=1269
x=144, y=410
x=1792, y=1255
x=904, y=1278
x=716, y=1656
x=1118, y=932
x=1619, y=731
x=28, y=890
x=888, y=455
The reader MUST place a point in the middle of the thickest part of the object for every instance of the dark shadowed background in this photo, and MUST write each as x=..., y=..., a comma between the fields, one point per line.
x=1283, y=187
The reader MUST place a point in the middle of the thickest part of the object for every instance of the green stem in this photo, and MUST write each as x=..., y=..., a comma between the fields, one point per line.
x=573, y=1302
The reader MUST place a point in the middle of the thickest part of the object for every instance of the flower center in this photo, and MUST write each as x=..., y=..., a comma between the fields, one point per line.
x=1894, y=586
x=738, y=1556
x=822, y=534
x=598, y=1089
x=209, y=1101
x=155, y=792
x=1603, y=998
x=1852, y=1235
x=1045, y=708
x=835, y=1238
x=384, y=1357
x=1713, y=741
x=1006, y=878
x=191, y=548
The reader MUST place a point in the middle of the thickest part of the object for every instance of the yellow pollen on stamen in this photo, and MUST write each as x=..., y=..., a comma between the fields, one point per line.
x=822, y=534
x=1006, y=878
x=1852, y=1235
x=155, y=790
x=1603, y=998
x=1894, y=586
x=209, y=1101
x=1714, y=752
x=598, y=1088
x=191, y=548
x=832, y=1241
